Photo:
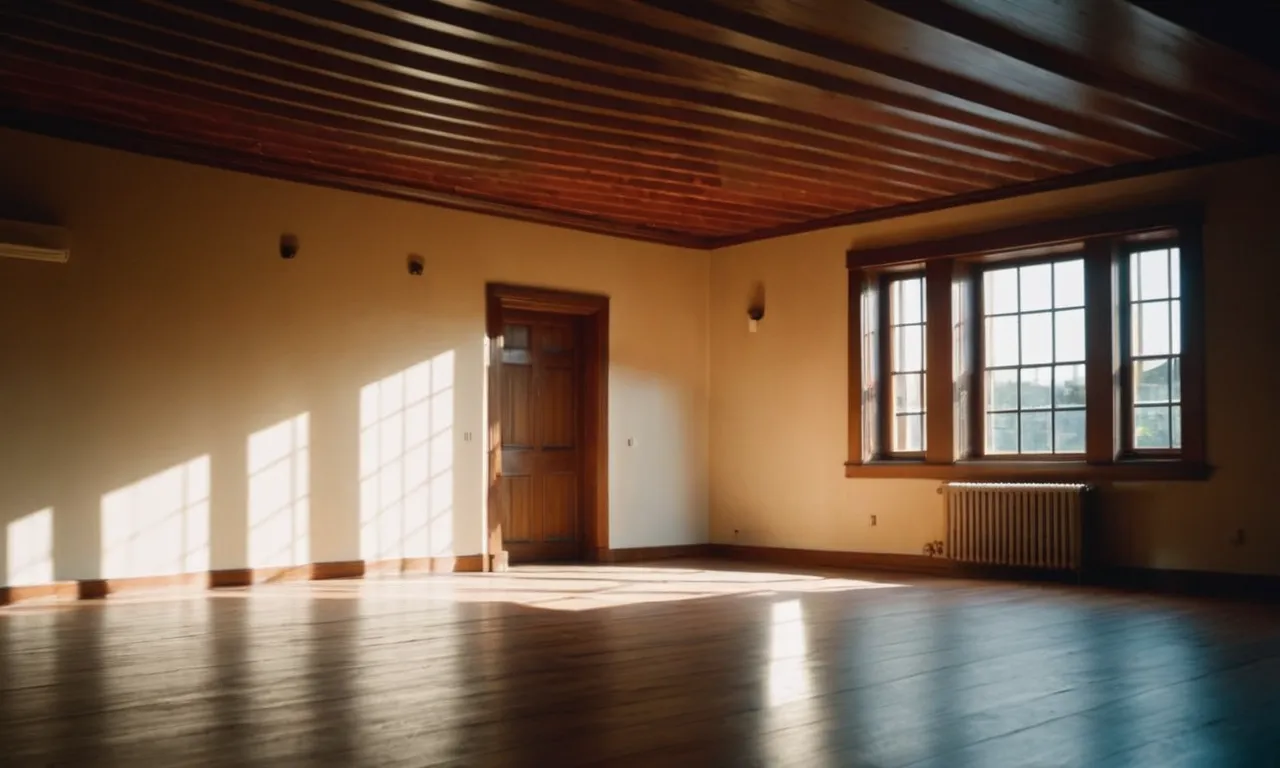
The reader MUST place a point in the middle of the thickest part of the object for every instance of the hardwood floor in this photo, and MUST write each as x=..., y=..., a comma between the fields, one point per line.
x=702, y=664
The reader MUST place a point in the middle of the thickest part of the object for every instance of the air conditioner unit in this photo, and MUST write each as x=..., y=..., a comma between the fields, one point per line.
x=38, y=242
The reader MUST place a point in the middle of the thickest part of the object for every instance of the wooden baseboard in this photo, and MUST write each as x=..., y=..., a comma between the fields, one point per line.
x=1249, y=586
x=641, y=554
x=96, y=589
x=1202, y=583
x=821, y=558
x=58, y=590
x=460, y=564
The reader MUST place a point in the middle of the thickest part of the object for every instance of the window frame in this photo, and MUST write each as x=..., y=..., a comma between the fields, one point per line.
x=885, y=409
x=978, y=414
x=954, y=328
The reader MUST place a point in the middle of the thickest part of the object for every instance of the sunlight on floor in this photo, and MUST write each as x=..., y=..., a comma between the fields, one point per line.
x=557, y=588
x=581, y=588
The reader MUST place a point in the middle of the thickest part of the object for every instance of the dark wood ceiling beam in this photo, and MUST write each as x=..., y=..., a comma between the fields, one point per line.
x=779, y=33
x=811, y=192
x=869, y=173
x=99, y=86
x=110, y=103
x=609, y=40
x=775, y=176
x=404, y=42
x=72, y=129
x=353, y=77
x=1076, y=66
x=1097, y=176
x=1247, y=26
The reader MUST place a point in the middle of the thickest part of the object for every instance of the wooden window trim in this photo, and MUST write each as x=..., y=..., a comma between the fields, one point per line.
x=885, y=412
x=954, y=401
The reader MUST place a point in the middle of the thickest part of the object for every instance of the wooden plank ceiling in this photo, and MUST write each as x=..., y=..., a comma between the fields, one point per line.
x=695, y=122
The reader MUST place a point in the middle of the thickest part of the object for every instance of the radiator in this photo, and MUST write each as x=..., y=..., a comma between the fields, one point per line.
x=1032, y=525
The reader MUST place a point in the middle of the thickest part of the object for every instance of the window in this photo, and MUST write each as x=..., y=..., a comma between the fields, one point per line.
x=906, y=366
x=1068, y=350
x=1155, y=343
x=1034, y=358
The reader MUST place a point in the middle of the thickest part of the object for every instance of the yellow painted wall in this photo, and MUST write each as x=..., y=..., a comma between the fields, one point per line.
x=778, y=398
x=176, y=333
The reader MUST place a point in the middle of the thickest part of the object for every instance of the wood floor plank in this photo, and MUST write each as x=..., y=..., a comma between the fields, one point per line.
x=689, y=663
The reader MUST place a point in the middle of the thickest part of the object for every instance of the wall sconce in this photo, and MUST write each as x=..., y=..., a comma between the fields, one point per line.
x=288, y=246
x=755, y=309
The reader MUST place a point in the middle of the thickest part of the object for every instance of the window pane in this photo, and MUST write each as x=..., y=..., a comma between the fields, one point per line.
x=1037, y=388
x=1002, y=341
x=1068, y=331
x=1068, y=432
x=908, y=433
x=1037, y=287
x=1175, y=431
x=1037, y=338
x=1068, y=283
x=1002, y=433
x=1151, y=426
x=1175, y=273
x=906, y=307
x=1036, y=433
x=906, y=392
x=1151, y=329
x=1175, y=376
x=1151, y=381
x=1153, y=275
x=908, y=348
x=1000, y=291
x=1068, y=385
x=1175, y=317
x=1002, y=390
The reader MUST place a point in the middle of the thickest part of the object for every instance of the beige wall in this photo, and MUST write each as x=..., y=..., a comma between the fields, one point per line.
x=778, y=413
x=175, y=333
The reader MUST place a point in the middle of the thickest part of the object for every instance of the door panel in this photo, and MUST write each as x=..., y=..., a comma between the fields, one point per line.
x=557, y=406
x=560, y=499
x=517, y=493
x=541, y=429
x=517, y=405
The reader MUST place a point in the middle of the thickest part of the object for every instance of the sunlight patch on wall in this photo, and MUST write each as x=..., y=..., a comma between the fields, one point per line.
x=29, y=549
x=279, y=510
x=159, y=525
x=406, y=462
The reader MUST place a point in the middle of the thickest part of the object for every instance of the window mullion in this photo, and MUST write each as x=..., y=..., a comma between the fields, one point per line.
x=884, y=403
x=1102, y=349
x=977, y=376
x=1191, y=363
x=857, y=398
x=940, y=391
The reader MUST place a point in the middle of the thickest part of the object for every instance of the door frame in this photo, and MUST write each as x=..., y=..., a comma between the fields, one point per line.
x=594, y=310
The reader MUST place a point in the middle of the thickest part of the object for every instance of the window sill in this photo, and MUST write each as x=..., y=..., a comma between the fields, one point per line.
x=1133, y=470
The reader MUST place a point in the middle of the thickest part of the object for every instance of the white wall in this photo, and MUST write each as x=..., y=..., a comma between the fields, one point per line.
x=778, y=398
x=176, y=334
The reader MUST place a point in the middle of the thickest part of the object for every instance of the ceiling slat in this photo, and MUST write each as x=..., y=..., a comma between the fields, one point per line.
x=691, y=122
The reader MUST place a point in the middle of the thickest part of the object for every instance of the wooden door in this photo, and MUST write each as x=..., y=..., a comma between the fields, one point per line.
x=541, y=436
